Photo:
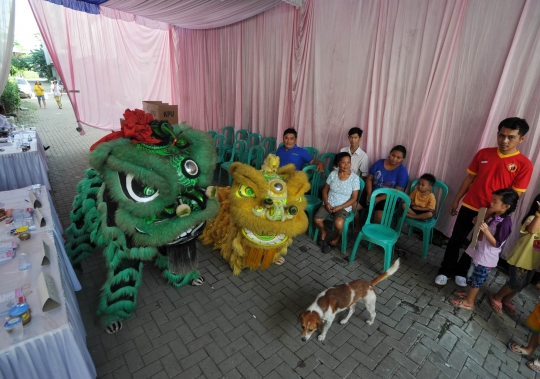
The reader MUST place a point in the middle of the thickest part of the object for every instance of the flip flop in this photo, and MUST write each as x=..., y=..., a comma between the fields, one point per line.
x=534, y=365
x=458, y=303
x=460, y=294
x=321, y=242
x=518, y=349
x=496, y=305
x=510, y=309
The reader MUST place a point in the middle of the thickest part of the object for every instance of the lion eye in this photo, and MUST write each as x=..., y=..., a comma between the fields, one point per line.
x=136, y=190
x=245, y=191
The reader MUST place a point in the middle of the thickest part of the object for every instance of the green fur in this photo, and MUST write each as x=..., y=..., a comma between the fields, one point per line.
x=107, y=215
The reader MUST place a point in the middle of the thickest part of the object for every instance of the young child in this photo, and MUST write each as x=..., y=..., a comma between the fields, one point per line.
x=523, y=261
x=533, y=322
x=423, y=202
x=494, y=231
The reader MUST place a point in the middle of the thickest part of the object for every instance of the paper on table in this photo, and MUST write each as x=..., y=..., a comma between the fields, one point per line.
x=47, y=292
x=476, y=230
x=34, y=200
x=45, y=252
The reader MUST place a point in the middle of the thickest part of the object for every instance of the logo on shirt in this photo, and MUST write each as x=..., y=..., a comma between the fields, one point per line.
x=512, y=167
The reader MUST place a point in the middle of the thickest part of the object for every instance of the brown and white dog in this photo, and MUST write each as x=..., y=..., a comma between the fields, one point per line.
x=337, y=299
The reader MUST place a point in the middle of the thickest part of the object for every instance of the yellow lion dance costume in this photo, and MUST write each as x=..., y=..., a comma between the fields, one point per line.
x=259, y=214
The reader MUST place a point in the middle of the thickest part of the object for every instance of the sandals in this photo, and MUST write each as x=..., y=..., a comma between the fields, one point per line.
x=197, y=282
x=328, y=247
x=458, y=303
x=460, y=294
x=510, y=309
x=518, y=349
x=496, y=305
x=534, y=365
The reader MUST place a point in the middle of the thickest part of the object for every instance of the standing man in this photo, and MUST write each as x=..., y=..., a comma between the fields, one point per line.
x=491, y=169
x=290, y=153
x=359, y=164
x=359, y=158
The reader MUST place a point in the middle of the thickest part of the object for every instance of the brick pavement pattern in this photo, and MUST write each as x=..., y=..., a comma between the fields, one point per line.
x=247, y=326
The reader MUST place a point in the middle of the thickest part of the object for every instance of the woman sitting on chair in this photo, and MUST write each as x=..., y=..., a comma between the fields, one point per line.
x=339, y=195
x=389, y=173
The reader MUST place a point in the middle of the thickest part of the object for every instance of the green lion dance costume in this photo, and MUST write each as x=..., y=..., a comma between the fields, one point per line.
x=259, y=215
x=146, y=199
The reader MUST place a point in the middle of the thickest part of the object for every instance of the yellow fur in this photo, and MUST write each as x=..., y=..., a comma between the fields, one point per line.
x=244, y=215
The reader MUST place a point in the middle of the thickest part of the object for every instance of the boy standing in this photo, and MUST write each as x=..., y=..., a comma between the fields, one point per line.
x=492, y=168
x=359, y=158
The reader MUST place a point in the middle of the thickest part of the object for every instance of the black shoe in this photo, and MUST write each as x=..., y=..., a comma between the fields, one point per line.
x=46, y=148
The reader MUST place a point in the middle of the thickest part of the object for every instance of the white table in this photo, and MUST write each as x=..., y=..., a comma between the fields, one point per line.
x=20, y=169
x=54, y=343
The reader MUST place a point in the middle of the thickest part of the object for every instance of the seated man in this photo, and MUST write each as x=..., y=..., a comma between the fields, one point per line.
x=290, y=153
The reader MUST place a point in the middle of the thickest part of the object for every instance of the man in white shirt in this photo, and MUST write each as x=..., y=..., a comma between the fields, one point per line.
x=359, y=158
x=359, y=163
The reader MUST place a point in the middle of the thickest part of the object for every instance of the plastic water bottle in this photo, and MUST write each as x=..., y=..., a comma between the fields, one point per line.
x=24, y=262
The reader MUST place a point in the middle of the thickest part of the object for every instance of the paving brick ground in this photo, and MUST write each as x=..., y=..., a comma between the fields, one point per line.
x=246, y=326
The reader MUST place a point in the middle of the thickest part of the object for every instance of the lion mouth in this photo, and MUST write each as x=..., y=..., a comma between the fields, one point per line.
x=265, y=239
x=185, y=236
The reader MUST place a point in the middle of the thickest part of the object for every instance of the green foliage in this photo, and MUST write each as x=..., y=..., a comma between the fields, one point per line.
x=20, y=63
x=10, y=97
x=38, y=63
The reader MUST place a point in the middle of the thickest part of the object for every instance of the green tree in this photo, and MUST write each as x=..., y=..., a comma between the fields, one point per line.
x=38, y=63
x=19, y=63
x=10, y=97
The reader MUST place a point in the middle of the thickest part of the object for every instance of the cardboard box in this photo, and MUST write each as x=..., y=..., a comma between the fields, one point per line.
x=162, y=111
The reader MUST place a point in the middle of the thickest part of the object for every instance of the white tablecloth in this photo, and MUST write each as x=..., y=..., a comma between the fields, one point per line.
x=19, y=196
x=20, y=169
x=54, y=342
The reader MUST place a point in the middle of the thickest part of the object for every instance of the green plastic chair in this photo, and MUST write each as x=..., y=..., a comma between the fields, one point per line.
x=312, y=196
x=213, y=133
x=383, y=234
x=256, y=155
x=313, y=152
x=237, y=155
x=228, y=132
x=348, y=221
x=269, y=144
x=219, y=143
x=254, y=139
x=328, y=160
x=242, y=134
x=427, y=226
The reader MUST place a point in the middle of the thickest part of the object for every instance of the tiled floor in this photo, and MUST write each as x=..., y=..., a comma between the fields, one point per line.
x=246, y=326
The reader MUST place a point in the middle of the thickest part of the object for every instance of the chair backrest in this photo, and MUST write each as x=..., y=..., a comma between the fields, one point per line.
x=443, y=192
x=269, y=144
x=219, y=143
x=212, y=133
x=313, y=152
x=254, y=139
x=392, y=198
x=328, y=160
x=228, y=132
x=314, y=179
x=239, y=149
x=242, y=134
x=362, y=186
x=256, y=154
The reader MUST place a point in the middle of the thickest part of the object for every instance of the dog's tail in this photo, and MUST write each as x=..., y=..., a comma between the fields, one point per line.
x=391, y=271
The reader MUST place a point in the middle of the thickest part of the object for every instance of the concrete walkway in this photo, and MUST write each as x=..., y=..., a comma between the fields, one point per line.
x=247, y=326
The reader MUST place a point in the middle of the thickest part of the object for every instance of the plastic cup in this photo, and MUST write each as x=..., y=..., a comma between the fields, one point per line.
x=14, y=328
x=23, y=261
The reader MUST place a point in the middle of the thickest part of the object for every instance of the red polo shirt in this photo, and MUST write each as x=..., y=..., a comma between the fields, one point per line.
x=494, y=171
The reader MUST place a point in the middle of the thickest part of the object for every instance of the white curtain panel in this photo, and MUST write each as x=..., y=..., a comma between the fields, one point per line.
x=7, y=31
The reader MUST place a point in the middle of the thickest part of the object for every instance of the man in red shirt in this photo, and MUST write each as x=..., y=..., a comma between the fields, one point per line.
x=491, y=169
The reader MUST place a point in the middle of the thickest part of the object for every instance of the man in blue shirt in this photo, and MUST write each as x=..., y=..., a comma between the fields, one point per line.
x=290, y=153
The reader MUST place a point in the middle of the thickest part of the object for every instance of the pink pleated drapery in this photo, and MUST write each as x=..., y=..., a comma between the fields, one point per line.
x=435, y=76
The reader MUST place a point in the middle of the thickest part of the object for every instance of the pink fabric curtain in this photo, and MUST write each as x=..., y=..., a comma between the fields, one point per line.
x=113, y=64
x=435, y=76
